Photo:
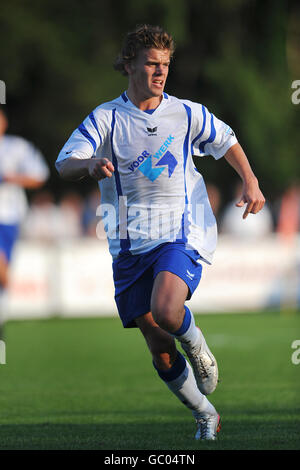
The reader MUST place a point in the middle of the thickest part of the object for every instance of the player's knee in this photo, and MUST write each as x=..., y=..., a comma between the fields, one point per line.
x=165, y=315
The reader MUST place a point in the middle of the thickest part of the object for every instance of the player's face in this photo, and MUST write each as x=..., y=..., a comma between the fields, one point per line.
x=148, y=72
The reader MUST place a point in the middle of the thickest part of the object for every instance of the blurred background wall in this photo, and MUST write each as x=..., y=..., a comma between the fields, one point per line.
x=238, y=57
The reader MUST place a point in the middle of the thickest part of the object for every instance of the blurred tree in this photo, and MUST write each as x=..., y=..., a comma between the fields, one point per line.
x=238, y=57
x=241, y=72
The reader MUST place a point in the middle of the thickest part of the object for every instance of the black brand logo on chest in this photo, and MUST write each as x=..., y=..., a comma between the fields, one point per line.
x=152, y=130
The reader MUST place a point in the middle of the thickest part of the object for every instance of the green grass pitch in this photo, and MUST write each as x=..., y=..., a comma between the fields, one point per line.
x=89, y=384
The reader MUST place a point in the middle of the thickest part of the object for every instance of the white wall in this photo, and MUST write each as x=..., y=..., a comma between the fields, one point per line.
x=74, y=278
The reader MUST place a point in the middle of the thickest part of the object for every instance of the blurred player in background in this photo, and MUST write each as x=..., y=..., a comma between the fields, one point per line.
x=21, y=167
x=140, y=147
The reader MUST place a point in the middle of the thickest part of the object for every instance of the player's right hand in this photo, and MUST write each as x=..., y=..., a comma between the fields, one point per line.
x=100, y=168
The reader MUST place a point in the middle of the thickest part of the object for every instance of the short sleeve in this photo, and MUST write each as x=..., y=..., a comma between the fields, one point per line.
x=86, y=139
x=210, y=135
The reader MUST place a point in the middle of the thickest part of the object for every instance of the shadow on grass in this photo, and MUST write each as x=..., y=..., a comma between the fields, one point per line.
x=236, y=434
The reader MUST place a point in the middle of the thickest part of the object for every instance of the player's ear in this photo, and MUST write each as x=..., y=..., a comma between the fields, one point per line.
x=128, y=68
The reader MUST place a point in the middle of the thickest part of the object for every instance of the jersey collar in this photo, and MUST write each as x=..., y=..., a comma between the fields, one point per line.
x=129, y=103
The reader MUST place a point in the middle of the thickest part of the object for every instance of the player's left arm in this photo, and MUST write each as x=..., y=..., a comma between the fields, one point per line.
x=252, y=195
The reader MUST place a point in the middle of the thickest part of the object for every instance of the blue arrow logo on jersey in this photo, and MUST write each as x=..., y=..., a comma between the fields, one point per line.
x=152, y=173
x=147, y=170
x=170, y=160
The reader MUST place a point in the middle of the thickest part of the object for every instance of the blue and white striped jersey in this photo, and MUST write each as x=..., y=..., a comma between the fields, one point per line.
x=156, y=195
x=22, y=158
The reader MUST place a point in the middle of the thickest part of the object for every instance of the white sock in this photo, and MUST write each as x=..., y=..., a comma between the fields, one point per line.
x=188, y=333
x=184, y=386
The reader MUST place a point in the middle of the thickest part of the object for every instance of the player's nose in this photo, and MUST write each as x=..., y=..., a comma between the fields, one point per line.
x=159, y=69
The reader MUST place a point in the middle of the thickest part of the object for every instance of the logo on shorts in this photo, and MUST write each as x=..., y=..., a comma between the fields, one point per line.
x=190, y=275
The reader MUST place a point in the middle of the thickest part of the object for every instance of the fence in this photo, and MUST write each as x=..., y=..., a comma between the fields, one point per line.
x=74, y=278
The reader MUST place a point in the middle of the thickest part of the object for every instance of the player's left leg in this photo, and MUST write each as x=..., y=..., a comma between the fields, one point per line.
x=167, y=305
x=134, y=279
x=177, y=374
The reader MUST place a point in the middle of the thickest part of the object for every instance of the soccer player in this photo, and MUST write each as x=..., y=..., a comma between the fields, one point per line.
x=159, y=222
x=22, y=166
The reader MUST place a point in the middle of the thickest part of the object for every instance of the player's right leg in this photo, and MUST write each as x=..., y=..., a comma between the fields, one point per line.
x=177, y=374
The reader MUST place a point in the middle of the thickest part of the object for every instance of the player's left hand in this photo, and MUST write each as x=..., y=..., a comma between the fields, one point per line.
x=253, y=197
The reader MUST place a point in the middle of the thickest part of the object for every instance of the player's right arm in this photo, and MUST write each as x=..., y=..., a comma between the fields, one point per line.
x=77, y=159
x=74, y=168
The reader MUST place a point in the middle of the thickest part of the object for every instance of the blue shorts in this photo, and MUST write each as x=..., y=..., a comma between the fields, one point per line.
x=134, y=276
x=8, y=237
